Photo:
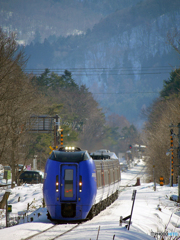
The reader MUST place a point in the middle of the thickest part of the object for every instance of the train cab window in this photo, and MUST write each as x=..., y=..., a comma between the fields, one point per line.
x=68, y=190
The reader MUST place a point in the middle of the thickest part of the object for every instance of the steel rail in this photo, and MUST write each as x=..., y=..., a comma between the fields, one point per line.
x=40, y=234
x=138, y=174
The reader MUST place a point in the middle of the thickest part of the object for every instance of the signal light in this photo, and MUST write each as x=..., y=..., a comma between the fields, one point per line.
x=130, y=146
x=61, y=137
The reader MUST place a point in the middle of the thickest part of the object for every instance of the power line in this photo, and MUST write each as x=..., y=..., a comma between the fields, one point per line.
x=128, y=93
x=81, y=73
x=100, y=68
x=120, y=71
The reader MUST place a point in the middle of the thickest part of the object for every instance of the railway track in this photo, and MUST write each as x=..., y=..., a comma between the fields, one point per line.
x=130, y=181
x=53, y=232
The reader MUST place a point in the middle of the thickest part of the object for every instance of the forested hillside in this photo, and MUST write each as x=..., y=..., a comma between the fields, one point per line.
x=37, y=20
x=123, y=59
x=118, y=49
x=126, y=19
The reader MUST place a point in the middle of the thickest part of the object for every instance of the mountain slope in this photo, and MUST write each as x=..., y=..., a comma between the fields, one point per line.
x=54, y=17
x=123, y=60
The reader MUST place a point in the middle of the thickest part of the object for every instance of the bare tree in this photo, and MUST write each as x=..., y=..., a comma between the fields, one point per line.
x=157, y=132
x=173, y=38
x=18, y=100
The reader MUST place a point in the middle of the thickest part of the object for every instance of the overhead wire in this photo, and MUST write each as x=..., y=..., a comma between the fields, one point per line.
x=123, y=71
x=127, y=93
x=132, y=70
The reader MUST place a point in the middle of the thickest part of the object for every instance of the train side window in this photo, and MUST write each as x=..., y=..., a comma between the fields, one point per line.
x=105, y=173
x=99, y=173
x=111, y=175
x=115, y=173
x=98, y=178
x=106, y=177
x=68, y=190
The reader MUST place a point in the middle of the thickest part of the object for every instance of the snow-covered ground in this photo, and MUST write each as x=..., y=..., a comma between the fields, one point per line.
x=153, y=214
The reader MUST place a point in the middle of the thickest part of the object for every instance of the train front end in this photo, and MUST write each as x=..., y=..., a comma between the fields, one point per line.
x=69, y=188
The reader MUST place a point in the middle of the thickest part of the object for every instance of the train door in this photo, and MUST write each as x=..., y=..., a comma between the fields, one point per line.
x=68, y=182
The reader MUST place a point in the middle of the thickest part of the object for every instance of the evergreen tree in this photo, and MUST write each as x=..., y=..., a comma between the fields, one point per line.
x=172, y=85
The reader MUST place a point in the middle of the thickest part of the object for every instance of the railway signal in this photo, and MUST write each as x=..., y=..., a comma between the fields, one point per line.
x=161, y=181
x=52, y=148
x=172, y=156
x=9, y=208
x=61, y=137
x=178, y=156
x=43, y=124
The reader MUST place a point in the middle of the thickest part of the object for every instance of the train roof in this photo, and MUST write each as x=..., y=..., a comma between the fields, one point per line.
x=69, y=156
x=103, y=154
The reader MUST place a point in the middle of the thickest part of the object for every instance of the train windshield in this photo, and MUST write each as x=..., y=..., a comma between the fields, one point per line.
x=68, y=190
x=62, y=156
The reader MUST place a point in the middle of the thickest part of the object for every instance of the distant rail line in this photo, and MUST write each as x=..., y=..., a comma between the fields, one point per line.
x=141, y=173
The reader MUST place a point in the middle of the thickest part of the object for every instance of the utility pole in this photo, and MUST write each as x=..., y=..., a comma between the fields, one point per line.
x=172, y=157
x=154, y=175
x=56, y=125
x=178, y=154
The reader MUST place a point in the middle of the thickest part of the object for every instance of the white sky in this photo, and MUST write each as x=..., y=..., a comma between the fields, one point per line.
x=153, y=211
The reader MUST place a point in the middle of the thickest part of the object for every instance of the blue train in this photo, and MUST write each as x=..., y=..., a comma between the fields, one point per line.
x=78, y=185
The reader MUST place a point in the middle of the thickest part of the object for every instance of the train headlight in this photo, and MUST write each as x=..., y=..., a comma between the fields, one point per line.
x=80, y=183
x=69, y=148
x=57, y=184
